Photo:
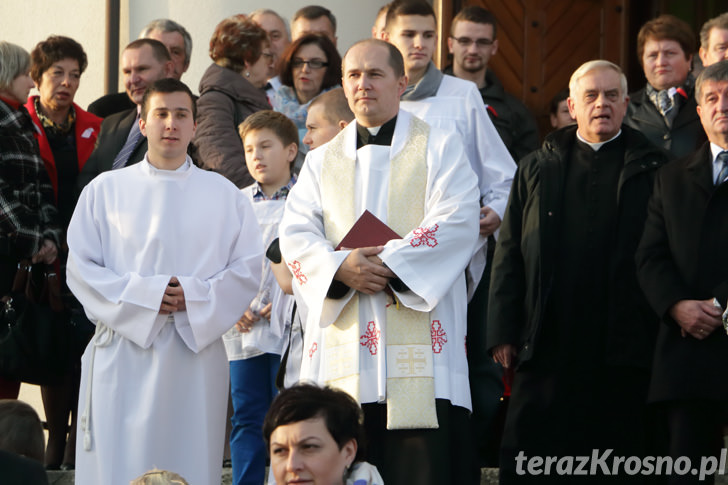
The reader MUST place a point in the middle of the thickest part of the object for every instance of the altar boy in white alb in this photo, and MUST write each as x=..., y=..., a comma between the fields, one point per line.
x=162, y=259
x=387, y=323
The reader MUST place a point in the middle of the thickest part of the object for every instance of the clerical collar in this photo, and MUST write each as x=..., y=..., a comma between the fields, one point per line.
x=596, y=146
x=378, y=135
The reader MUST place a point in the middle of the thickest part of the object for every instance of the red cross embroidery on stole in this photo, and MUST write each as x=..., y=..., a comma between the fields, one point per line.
x=438, y=335
x=424, y=235
x=296, y=270
x=312, y=351
x=370, y=339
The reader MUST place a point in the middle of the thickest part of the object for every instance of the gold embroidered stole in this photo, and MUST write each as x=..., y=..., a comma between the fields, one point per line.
x=409, y=358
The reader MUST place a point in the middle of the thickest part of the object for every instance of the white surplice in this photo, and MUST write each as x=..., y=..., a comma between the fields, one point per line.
x=458, y=107
x=266, y=336
x=157, y=385
x=431, y=264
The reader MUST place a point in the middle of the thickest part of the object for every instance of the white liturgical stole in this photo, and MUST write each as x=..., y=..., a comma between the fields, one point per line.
x=410, y=383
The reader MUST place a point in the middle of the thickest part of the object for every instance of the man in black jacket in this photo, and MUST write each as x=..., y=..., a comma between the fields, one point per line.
x=683, y=270
x=120, y=142
x=472, y=43
x=565, y=309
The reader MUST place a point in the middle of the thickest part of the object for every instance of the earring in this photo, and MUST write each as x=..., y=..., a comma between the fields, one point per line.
x=247, y=73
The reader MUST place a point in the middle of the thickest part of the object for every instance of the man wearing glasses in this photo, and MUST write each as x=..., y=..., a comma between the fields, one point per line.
x=472, y=42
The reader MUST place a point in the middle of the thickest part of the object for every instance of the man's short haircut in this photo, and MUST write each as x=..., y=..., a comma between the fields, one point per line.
x=14, y=61
x=336, y=107
x=169, y=26
x=341, y=413
x=266, y=11
x=55, y=48
x=719, y=22
x=283, y=128
x=168, y=85
x=408, y=7
x=395, y=61
x=237, y=40
x=558, y=98
x=20, y=429
x=598, y=64
x=383, y=10
x=666, y=27
x=473, y=13
x=159, y=50
x=332, y=77
x=313, y=12
x=715, y=72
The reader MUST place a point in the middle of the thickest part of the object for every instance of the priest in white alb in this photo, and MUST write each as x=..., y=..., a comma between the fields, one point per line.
x=162, y=259
x=387, y=323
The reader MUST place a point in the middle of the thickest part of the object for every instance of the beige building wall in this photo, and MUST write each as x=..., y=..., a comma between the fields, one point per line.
x=25, y=22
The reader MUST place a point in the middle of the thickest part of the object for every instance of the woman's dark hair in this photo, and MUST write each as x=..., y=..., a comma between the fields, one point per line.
x=333, y=70
x=341, y=413
x=20, y=430
x=237, y=40
x=55, y=48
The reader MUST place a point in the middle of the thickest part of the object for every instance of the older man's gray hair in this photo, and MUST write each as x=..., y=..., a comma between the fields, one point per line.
x=715, y=72
x=592, y=66
x=167, y=25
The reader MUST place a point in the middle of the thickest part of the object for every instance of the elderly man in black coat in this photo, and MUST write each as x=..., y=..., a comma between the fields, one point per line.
x=565, y=308
x=683, y=270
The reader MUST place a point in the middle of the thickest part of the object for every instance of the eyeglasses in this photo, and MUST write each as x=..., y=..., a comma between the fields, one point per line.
x=467, y=41
x=313, y=63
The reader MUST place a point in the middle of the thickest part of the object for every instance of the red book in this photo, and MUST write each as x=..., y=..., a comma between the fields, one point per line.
x=368, y=230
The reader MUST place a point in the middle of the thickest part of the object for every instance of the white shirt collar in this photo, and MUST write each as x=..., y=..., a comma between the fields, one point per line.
x=596, y=146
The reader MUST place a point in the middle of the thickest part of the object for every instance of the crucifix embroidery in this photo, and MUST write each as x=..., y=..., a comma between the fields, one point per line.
x=296, y=270
x=439, y=337
x=370, y=339
x=424, y=235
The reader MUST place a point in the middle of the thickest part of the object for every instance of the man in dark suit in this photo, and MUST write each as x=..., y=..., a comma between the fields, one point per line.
x=120, y=142
x=683, y=270
x=565, y=309
x=179, y=44
x=664, y=110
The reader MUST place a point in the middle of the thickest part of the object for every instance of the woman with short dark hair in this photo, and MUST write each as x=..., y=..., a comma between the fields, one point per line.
x=66, y=136
x=317, y=434
x=310, y=66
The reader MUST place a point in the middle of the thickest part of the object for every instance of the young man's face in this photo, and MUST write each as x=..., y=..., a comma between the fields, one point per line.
x=319, y=128
x=415, y=37
x=268, y=161
x=467, y=45
x=169, y=126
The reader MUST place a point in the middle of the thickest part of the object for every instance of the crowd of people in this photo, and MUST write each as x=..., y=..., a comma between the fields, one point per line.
x=361, y=256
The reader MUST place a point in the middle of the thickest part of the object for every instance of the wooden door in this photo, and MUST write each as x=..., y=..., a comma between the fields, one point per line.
x=541, y=42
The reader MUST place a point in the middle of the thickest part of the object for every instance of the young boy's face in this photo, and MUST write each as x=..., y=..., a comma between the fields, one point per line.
x=268, y=161
x=319, y=129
